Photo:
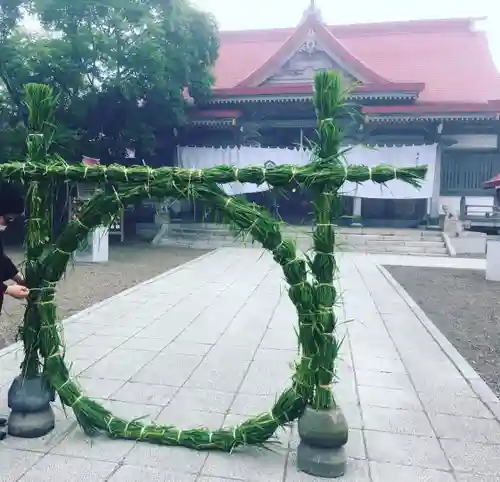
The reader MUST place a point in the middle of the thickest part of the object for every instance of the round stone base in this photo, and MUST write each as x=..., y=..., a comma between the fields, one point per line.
x=31, y=414
x=321, y=462
x=29, y=394
x=31, y=425
x=323, y=428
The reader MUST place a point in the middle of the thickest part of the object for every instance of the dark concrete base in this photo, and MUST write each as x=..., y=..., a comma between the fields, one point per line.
x=323, y=434
x=321, y=462
x=323, y=428
x=29, y=394
x=31, y=414
x=31, y=425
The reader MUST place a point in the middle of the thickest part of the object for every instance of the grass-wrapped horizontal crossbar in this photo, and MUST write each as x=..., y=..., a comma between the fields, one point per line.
x=314, y=174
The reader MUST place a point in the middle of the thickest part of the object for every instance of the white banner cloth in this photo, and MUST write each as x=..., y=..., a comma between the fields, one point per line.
x=240, y=157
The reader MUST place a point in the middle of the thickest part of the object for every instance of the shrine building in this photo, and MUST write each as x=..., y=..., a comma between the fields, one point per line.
x=425, y=92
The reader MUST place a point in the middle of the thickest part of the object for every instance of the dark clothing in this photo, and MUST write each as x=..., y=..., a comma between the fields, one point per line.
x=7, y=271
x=11, y=199
x=11, y=203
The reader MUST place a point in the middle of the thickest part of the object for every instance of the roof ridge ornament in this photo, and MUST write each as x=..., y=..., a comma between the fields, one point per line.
x=312, y=11
x=311, y=44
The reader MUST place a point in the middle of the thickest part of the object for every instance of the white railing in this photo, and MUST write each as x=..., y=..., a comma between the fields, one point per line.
x=475, y=211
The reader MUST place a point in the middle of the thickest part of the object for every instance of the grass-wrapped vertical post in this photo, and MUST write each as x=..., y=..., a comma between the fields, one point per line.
x=323, y=428
x=30, y=395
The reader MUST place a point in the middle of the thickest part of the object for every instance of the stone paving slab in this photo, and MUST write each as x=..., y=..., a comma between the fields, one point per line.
x=212, y=342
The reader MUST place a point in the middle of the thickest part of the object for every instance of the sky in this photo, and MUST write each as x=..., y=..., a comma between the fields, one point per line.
x=249, y=14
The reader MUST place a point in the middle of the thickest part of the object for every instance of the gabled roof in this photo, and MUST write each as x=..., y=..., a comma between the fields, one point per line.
x=450, y=57
x=312, y=24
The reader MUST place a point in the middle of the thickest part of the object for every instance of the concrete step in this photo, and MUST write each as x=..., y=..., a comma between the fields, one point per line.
x=422, y=250
x=223, y=231
x=305, y=243
x=307, y=230
x=411, y=242
x=212, y=236
x=375, y=243
x=227, y=235
x=387, y=231
x=175, y=231
x=206, y=234
x=410, y=253
x=215, y=242
x=390, y=237
x=199, y=234
x=208, y=243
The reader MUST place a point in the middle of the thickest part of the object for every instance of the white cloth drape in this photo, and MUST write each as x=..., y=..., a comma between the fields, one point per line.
x=404, y=156
x=240, y=157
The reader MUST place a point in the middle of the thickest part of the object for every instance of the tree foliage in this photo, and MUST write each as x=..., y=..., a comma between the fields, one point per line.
x=123, y=69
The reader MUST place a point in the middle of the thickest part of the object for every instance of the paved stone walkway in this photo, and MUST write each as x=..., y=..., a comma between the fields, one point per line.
x=211, y=343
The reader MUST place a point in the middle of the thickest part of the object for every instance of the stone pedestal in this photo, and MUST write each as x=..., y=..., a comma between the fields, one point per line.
x=162, y=220
x=323, y=434
x=469, y=242
x=31, y=413
x=356, y=211
x=97, y=248
x=493, y=258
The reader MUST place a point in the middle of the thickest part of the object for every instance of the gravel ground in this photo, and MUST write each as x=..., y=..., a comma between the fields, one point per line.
x=465, y=307
x=87, y=284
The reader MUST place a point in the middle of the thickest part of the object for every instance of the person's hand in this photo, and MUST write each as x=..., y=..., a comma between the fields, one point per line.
x=17, y=291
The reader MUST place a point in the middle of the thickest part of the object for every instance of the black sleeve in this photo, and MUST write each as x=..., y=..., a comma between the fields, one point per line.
x=9, y=269
x=4, y=288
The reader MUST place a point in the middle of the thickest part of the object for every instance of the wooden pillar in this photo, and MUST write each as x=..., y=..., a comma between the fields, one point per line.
x=434, y=203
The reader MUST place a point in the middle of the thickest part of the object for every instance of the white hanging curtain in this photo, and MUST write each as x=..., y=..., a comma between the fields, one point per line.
x=398, y=157
x=240, y=157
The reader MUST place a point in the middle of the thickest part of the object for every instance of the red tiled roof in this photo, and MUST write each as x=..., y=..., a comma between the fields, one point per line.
x=449, y=56
x=433, y=108
x=295, y=41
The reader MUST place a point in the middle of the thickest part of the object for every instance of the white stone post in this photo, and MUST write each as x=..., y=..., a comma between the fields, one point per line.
x=97, y=247
x=356, y=211
x=493, y=258
x=96, y=250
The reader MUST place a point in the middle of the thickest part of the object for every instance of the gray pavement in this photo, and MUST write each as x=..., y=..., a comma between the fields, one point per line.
x=211, y=343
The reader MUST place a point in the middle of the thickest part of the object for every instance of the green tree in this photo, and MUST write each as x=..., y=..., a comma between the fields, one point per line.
x=40, y=58
x=10, y=13
x=136, y=60
x=122, y=69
